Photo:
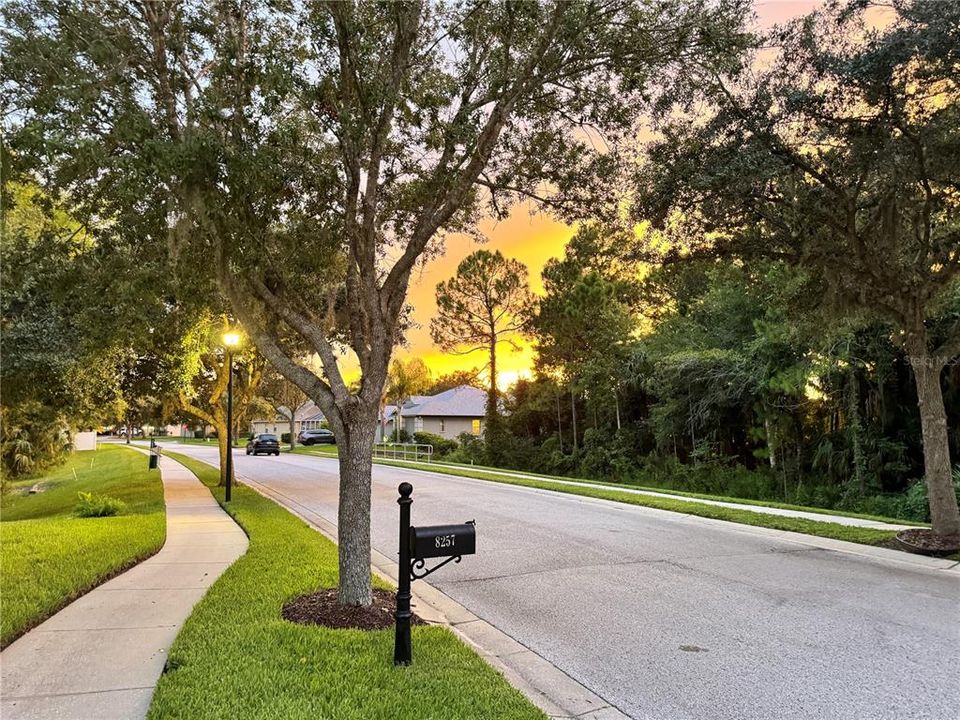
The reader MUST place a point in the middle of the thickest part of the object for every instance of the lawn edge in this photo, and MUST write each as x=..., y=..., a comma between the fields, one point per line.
x=648, y=488
x=100, y=580
x=815, y=528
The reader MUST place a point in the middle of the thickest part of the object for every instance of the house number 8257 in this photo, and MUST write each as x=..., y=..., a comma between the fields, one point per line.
x=444, y=541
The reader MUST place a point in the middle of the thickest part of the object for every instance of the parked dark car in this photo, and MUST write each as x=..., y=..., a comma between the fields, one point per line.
x=263, y=443
x=316, y=437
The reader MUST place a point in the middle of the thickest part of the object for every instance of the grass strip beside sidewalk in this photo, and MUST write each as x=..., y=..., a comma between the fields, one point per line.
x=50, y=557
x=652, y=488
x=864, y=536
x=489, y=473
x=236, y=656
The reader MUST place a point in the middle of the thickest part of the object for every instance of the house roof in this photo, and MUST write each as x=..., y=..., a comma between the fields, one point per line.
x=462, y=401
x=306, y=411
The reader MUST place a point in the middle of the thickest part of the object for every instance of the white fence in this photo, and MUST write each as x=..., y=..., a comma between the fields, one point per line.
x=403, y=451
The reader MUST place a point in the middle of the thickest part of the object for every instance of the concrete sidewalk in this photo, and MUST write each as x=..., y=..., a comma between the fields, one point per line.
x=102, y=655
x=763, y=509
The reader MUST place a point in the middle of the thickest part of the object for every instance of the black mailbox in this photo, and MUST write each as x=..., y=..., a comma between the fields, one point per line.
x=443, y=540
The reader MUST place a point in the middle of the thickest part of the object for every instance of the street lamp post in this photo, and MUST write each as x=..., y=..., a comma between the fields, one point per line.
x=230, y=340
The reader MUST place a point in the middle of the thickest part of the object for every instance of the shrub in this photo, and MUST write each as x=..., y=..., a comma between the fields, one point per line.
x=914, y=504
x=471, y=450
x=441, y=446
x=91, y=505
x=285, y=437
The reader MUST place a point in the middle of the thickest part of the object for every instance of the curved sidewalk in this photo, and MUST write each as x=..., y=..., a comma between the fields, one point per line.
x=102, y=655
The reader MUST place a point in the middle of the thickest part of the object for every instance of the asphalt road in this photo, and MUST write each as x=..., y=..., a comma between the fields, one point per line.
x=671, y=619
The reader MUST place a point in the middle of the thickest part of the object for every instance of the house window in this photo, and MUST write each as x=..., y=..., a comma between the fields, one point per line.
x=475, y=427
x=418, y=424
x=442, y=427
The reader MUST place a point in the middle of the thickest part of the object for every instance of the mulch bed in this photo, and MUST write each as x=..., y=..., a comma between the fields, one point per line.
x=926, y=542
x=321, y=608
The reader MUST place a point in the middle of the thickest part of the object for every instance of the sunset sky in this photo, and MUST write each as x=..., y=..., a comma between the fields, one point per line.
x=530, y=239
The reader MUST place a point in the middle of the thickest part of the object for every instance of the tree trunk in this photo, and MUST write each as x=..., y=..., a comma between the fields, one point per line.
x=771, y=442
x=293, y=435
x=353, y=515
x=573, y=410
x=492, y=390
x=616, y=406
x=944, y=513
x=559, y=424
x=492, y=436
x=856, y=432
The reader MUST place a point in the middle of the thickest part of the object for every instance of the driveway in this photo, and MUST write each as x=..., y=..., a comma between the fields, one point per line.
x=668, y=617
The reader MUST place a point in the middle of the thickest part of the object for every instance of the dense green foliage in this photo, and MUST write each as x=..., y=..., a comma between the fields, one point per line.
x=772, y=333
x=59, y=361
x=50, y=556
x=838, y=157
x=94, y=331
x=266, y=667
x=740, y=387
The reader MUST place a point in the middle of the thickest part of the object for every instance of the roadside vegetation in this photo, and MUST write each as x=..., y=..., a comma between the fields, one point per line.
x=482, y=472
x=865, y=536
x=236, y=657
x=51, y=554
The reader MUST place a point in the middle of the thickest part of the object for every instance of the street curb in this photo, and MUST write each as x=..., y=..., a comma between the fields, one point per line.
x=548, y=687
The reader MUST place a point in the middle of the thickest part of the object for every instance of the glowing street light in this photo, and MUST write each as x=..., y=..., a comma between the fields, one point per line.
x=231, y=340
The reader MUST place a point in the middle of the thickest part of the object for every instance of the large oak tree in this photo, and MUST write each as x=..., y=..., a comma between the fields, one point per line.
x=840, y=157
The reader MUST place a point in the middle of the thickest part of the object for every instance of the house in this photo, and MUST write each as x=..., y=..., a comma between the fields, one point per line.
x=447, y=414
x=306, y=417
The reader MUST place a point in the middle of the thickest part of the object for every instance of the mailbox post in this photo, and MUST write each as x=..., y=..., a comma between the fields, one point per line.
x=402, y=651
x=416, y=545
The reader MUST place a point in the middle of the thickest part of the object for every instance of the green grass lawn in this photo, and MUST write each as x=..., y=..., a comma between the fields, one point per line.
x=491, y=472
x=325, y=450
x=236, y=656
x=50, y=557
x=865, y=536
x=481, y=472
x=165, y=439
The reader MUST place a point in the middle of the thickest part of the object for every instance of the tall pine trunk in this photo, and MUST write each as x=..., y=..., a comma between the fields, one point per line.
x=771, y=442
x=855, y=427
x=944, y=513
x=353, y=514
x=491, y=433
x=573, y=412
x=559, y=424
